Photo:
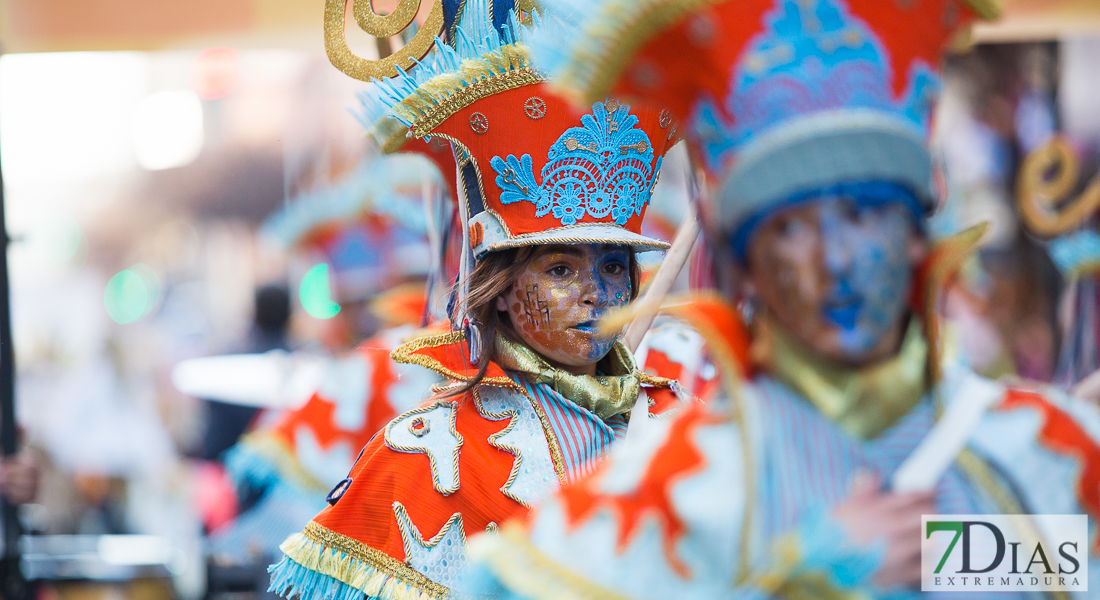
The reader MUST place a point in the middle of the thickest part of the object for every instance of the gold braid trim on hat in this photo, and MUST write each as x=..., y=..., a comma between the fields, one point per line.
x=379, y=26
x=353, y=563
x=434, y=101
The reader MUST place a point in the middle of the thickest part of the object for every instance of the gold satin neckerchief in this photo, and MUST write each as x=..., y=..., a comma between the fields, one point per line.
x=604, y=395
x=865, y=401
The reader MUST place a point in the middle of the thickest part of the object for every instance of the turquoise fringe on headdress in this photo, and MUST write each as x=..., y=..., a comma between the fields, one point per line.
x=580, y=37
x=475, y=39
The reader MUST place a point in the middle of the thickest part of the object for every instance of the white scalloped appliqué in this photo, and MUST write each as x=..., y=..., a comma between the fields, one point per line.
x=533, y=476
x=442, y=558
x=430, y=430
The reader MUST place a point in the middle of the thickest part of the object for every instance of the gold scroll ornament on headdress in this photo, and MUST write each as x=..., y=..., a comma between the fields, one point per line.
x=1040, y=198
x=380, y=26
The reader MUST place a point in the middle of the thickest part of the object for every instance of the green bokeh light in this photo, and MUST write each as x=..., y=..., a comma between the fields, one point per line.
x=126, y=297
x=132, y=294
x=315, y=293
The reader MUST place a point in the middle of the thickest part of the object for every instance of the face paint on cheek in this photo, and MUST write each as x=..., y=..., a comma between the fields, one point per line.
x=786, y=274
x=556, y=315
x=542, y=312
x=876, y=282
x=535, y=308
x=613, y=292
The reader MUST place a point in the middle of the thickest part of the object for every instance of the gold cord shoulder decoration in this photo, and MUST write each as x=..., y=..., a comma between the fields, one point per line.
x=410, y=353
x=381, y=27
x=1040, y=198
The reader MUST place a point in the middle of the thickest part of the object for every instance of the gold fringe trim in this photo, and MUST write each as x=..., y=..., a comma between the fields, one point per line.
x=434, y=101
x=355, y=564
x=521, y=567
x=625, y=26
x=406, y=354
x=275, y=451
x=390, y=134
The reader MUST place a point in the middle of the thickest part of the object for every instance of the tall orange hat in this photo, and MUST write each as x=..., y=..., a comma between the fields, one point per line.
x=778, y=97
x=532, y=170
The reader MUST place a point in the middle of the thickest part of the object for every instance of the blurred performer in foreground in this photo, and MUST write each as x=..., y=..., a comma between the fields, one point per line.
x=812, y=117
x=552, y=202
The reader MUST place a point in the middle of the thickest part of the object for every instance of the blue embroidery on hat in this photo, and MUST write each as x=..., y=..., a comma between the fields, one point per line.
x=813, y=56
x=603, y=168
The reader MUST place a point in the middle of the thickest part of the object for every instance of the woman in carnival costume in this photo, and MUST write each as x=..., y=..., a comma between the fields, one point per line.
x=369, y=228
x=811, y=117
x=552, y=201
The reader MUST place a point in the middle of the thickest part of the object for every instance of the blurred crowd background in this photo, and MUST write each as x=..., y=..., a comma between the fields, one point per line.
x=144, y=145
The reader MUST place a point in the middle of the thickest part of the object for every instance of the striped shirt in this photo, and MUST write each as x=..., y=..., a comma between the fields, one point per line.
x=582, y=436
x=809, y=459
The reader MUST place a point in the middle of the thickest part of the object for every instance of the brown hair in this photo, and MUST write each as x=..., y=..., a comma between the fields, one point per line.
x=493, y=276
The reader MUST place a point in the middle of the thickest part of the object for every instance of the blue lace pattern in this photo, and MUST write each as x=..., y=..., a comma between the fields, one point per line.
x=604, y=168
x=811, y=56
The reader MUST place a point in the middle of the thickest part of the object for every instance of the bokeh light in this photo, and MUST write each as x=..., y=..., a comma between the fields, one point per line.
x=214, y=73
x=315, y=293
x=168, y=130
x=132, y=294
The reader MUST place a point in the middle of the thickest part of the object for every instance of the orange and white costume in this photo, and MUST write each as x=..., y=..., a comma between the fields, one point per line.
x=531, y=170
